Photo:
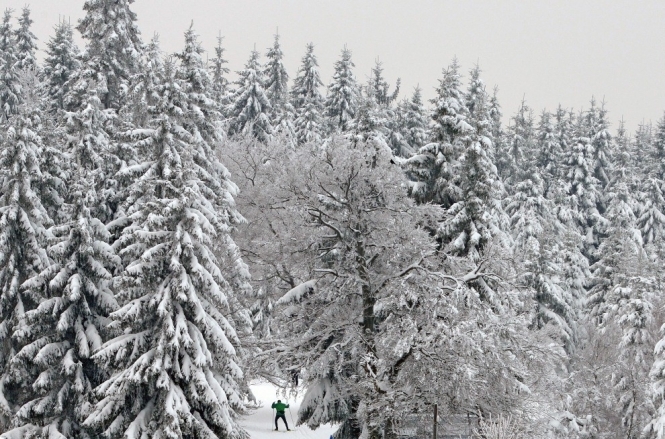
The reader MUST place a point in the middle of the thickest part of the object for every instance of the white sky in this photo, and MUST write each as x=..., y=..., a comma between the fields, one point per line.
x=549, y=51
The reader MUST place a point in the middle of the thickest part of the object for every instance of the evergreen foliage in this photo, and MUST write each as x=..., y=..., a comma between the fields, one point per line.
x=25, y=42
x=9, y=85
x=177, y=373
x=307, y=101
x=24, y=223
x=219, y=71
x=112, y=53
x=249, y=111
x=59, y=65
x=343, y=92
x=414, y=121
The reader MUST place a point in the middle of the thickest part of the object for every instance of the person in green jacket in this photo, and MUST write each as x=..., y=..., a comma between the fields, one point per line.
x=279, y=407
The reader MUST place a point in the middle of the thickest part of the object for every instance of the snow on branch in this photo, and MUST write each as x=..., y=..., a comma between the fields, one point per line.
x=298, y=293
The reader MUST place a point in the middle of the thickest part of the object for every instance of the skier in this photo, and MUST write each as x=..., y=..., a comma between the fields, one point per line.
x=279, y=407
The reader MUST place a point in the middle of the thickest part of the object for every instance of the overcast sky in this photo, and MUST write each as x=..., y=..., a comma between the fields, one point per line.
x=549, y=51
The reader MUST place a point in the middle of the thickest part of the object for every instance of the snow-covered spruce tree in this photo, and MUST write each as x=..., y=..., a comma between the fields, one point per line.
x=112, y=53
x=617, y=255
x=276, y=78
x=477, y=215
x=624, y=164
x=61, y=334
x=414, y=121
x=282, y=114
x=477, y=100
x=535, y=229
x=449, y=113
x=633, y=300
x=9, y=86
x=381, y=98
x=434, y=170
x=202, y=117
x=307, y=82
x=584, y=191
x=176, y=370
x=478, y=103
x=141, y=93
x=23, y=238
x=307, y=101
x=343, y=92
x=656, y=428
x=218, y=69
x=60, y=63
x=369, y=125
x=651, y=220
x=548, y=156
x=496, y=114
x=381, y=88
x=519, y=146
x=249, y=110
x=25, y=42
x=642, y=146
x=659, y=150
x=602, y=144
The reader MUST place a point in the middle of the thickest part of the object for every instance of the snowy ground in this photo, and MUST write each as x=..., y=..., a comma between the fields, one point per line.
x=260, y=422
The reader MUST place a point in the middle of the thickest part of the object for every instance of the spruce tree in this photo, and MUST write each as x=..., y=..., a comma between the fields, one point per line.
x=478, y=103
x=276, y=78
x=651, y=221
x=643, y=146
x=112, y=53
x=25, y=42
x=380, y=87
x=202, y=115
x=24, y=223
x=536, y=228
x=177, y=370
x=477, y=217
x=370, y=123
x=602, y=144
x=249, y=110
x=64, y=331
x=387, y=118
x=659, y=150
x=60, y=64
x=656, y=428
x=496, y=114
x=9, y=86
x=307, y=101
x=583, y=190
x=617, y=253
x=435, y=169
x=624, y=166
x=219, y=71
x=343, y=93
x=449, y=114
x=415, y=121
x=519, y=145
x=307, y=82
x=142, y=85
x=549, y=156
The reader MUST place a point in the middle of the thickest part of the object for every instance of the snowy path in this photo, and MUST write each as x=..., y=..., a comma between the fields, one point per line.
x=260, y=422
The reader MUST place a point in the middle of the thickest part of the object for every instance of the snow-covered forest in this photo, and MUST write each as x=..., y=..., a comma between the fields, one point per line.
x=171, y=232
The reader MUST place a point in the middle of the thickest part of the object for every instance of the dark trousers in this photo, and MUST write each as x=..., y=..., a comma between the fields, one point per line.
x=283, y=418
